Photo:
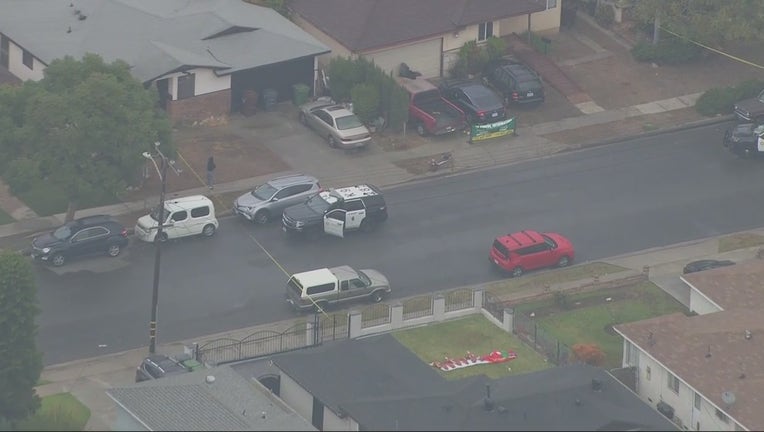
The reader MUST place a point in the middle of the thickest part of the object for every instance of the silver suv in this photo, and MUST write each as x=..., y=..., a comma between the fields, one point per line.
x=270, y=199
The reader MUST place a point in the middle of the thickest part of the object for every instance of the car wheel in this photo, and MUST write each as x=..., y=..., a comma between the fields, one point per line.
x=114, y=250
x=208, y=230
x=320, y=306
x=332, y=142
x=366, y=226
x=57, y=260
x=161, y=237
x=421, y=130
x=517, y=271
x=262, y=217
x=376, y=296
x=563, y=261
x=302, y=118
x=746, y=153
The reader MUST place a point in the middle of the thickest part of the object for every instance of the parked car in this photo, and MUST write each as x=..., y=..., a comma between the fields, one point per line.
x=745, y=140
x=340, y=127
x=337, y=211
x=318, y=289
x=751, y=110
x=526, y=250
x=183, y=217
x=158, y=366
x=706, y=264
x=269, y=200
x=429, y=112
x=516, y=82
x=479, y=103
x=91, y=235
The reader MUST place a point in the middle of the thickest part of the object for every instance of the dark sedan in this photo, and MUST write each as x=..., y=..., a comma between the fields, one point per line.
x=92, y=235
x=706, y=264
x=479, y=103
x=745, y=140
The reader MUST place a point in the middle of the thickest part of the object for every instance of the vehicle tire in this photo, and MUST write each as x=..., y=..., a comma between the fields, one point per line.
x=517, y=271
x=114, y=250
x=367, y=226
x=57, y=260
x=208, y=230
x=746, y=154
x=563, y=261
x=161, y=237
x=376, y=296
x=421, y=130
x=262, y=217
x=332, y=142
x=302, y=118
x=320, y=306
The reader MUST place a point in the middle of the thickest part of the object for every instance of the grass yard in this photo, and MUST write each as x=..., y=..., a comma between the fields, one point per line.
x=474, y=334
x=5, y=218
x=48, y=199
x=591, y=323
x=740, y=241
x=512, y=285
x=59, y=412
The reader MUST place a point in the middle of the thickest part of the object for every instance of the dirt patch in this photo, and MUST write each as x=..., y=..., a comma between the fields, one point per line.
x=627, y=127
x=235, y=157
x=421, y=165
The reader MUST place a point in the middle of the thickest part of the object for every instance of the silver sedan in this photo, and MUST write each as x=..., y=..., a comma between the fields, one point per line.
x=338, y=125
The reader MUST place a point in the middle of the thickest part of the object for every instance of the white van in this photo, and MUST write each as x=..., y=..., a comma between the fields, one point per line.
x=186, y=216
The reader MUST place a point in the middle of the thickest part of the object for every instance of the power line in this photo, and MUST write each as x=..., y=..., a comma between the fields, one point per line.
x=749, y=63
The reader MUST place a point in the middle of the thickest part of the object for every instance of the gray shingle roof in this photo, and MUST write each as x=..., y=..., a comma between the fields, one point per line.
x=156, y=37
x=188, y=402
x=365, y=24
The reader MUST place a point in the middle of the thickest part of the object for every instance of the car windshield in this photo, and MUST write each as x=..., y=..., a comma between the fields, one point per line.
x=364, y=278
x=348, y=122
x=549, y=241
x=63, y=233
x=155, y=213
x=761, y=96
x=264, y=192
x=318, y=202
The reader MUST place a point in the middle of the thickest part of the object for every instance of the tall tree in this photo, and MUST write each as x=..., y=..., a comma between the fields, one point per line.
x=706, y=21
x=87, y=123
x=20, y=362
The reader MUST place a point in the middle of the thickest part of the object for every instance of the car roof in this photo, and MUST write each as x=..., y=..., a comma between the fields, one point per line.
x=521, y=71
x=361, y=190
x=344, y=272
x=315, y=277
x=521, y=239
x=166, y=363
x=292, y=179
x=337, y=111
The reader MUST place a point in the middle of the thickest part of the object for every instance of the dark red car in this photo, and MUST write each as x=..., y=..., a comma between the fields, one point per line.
x=526, y=250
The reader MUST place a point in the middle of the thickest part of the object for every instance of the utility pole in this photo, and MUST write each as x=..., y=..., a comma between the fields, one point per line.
x=162, y=171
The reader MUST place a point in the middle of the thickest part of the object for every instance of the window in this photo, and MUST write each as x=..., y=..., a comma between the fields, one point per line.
x=485, y=30
x=344, y=285
x=721, y=416
x=551, y=4
x=697, y=401
x=318, y=289
x=533, y=249
x=200, y=212
x=354, y=205
x=358, y=283
x=83, y=235
x=673, y=383
x=27, y=59
x=648, y=373
x=186, y=86
x=179, y=216
x=4, y=50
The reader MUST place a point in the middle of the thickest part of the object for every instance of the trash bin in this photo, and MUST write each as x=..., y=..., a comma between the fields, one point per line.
x=301, y=93
x=270, y=97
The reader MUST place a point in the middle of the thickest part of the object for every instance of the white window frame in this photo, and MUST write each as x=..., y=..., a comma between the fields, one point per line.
x=483, y=31
x=673, y=383
x=698, y=401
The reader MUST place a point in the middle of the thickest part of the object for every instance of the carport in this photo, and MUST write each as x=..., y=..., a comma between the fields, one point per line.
x=278, y=76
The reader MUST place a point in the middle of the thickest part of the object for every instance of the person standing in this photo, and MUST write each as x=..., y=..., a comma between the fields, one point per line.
x=211, y=172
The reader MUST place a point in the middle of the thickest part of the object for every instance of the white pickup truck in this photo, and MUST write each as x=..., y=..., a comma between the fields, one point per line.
x=317, y=289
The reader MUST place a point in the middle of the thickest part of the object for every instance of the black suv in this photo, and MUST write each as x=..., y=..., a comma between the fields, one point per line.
x=479, y=103
x=743, y=140
x=516, y=82
x=337, y=211
x=90, y=235
x=158, y=366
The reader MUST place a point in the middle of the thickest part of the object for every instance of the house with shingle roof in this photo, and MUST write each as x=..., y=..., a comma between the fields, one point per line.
x=704, y=371
x=424, y=34
x=201, y=56
x=216, y=399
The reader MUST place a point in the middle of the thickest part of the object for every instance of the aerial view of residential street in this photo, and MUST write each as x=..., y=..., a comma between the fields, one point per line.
x=347, y=215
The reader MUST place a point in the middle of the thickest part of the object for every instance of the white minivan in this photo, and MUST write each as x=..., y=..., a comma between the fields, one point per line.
x=186, y=216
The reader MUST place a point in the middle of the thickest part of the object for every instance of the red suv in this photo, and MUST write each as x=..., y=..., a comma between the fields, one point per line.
x=529, y=250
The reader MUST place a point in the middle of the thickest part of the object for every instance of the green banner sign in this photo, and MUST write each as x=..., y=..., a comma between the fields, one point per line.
x=492, y=130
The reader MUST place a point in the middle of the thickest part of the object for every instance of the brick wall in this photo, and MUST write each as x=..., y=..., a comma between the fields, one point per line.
x=200, y=108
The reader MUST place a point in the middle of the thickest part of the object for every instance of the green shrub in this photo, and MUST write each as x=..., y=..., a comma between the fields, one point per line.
x=669, y=50
x=365, y=102
x=495, y=48
x=721, y=100
x=459, y=69
x=398, y=111
x=21, y=174
x=604, y=15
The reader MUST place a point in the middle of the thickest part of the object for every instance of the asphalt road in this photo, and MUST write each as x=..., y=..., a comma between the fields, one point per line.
x=608, y=200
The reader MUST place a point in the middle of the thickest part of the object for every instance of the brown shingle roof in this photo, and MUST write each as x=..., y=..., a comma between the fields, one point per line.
x=732, y=287
x=681, y=344
x=361, y=25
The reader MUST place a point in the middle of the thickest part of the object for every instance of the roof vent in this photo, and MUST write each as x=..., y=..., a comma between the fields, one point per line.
x=487, y=402
x=83, y=17
x=263, y=414
x=748, y=335
x=209, y=379
x=728, y=398
x=70, y=29
x=597, y=384
x=708, y=354
x=578, y=402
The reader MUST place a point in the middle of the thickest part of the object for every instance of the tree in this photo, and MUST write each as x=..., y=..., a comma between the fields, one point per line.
x=20, y=362
x=589, y=353
x=86, y=123
x=705, y=21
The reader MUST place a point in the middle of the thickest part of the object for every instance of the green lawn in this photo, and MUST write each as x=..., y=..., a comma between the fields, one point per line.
x=59, y=412
x=552, y=277
x=474, y=334
x=5, y=218
x=587, y=324
x=48, y=199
